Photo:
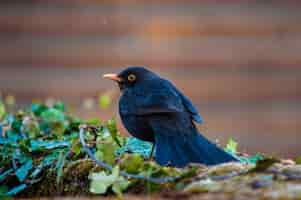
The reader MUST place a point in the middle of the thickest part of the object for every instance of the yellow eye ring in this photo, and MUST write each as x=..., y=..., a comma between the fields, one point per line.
x=131, y=77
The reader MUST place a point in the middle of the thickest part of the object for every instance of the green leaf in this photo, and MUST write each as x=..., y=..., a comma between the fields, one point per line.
x=3, y=189
x=251, y=159
x=53, y=115
x=106, y=152
x=20, y=155
x=76, y=147
x=58, y=128
x=16, y=190
x=264, y=164
x=111, y=126
x=4, y=141
x=30, y=128
x=94, y=121
x=132, y=163
x=23, y=171
x=231, y=146
x=3, y=193
x=2, y=110
x=60, y=164
x=104, y=101
x=135, y=145
x=59, y=105
x=17, y=124
x=120, y=185
x=41, y=144
x=149, y=170
x=101, y=181
x=38, y=108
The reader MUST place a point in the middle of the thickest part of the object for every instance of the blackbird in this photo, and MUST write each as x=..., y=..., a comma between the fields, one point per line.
x=154, y=110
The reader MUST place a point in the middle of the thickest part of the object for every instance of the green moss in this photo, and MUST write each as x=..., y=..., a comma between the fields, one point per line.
x=74, y=181
x=75, y=177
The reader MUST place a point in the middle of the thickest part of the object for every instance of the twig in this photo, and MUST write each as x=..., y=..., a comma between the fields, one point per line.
x=110, y=168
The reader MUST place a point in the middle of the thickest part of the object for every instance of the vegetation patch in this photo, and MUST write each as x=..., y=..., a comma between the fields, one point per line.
x=42, y=154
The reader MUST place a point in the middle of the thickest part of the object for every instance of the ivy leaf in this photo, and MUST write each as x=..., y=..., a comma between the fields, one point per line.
x=38, y=108
x=30, y=128
x=120, y=185
x=264, y=164
x=135, y=145
x=100, y=182
x=76, y=147
x=59, y=105
x=2, y=110
x=94, y=121
x=106, y=152
x=58, y=128
x=22, y=172
x=251, y=159
x=231, y=146
x=54, y=121
x=16, y=190
x=111, y=125
x=104, y=101
x=53, y=115
x=60, y=164
x=16, y=123
x=41, y=144
x=132, y=163
x=4, y=141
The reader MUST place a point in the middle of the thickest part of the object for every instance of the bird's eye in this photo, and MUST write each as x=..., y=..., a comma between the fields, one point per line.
x=131, y=77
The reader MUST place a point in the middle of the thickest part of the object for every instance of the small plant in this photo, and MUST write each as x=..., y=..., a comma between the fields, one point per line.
x=41, y=154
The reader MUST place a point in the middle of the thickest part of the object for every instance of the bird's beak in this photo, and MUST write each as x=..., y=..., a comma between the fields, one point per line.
x=113, y=77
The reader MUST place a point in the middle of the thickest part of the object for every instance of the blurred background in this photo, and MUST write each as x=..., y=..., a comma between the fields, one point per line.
x=239, y=61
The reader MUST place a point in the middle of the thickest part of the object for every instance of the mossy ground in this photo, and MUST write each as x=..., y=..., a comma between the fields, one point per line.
x=41, y=156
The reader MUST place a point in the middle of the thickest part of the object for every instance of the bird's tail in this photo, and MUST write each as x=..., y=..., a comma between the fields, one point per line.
x=176, y=150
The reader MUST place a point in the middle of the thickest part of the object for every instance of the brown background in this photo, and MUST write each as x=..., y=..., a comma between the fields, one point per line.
x=239, y=61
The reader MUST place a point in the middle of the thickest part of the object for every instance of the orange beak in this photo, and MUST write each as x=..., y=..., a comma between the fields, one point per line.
x=113, y=77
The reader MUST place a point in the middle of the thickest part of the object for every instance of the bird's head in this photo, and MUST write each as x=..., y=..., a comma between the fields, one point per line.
x=131, y=76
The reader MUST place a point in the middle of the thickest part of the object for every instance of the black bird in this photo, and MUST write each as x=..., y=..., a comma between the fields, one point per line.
x=154, y=110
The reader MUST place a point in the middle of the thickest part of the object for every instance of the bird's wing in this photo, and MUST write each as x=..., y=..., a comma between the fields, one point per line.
x=160, y=98
x=191, y=109
x=188, y=105
x=155, y=97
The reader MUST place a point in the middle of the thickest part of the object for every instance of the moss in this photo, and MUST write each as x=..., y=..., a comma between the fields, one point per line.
x=75, y=177
x=46, y=187
x=74, y=181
